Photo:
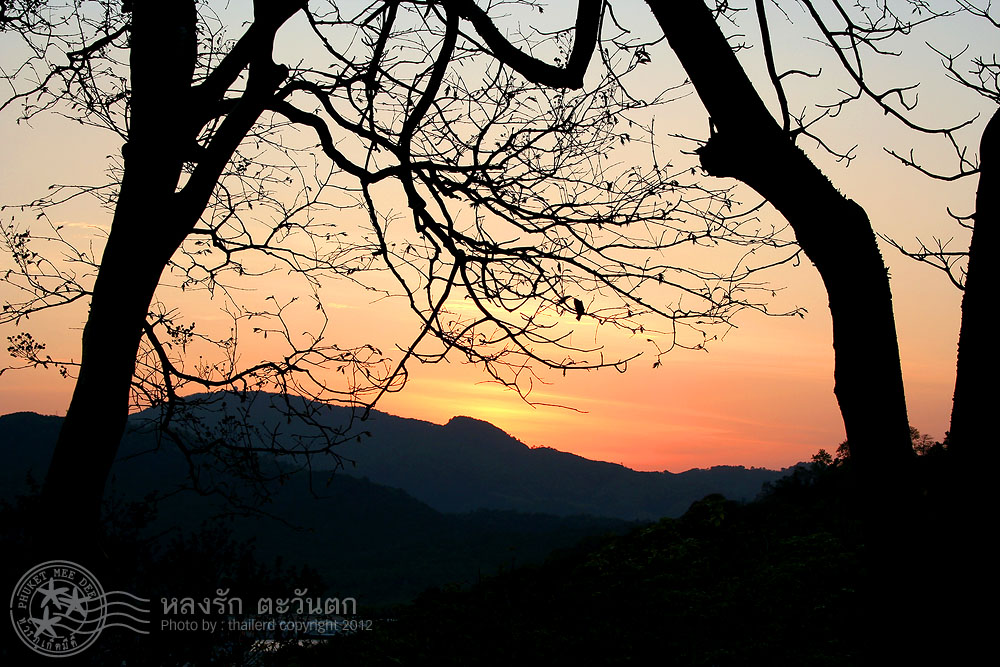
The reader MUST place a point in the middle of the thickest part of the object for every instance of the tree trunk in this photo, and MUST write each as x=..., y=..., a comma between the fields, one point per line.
x=151, y=220
x=833, y=231
x=95, y=421
x=835, y=234
x=973, y=404
x=145, y=232
x=966, y=562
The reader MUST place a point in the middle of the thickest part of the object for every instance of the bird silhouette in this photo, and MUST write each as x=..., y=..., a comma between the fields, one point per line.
x=579, y=309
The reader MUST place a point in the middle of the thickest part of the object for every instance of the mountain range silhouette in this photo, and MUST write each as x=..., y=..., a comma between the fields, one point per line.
x=415, y=504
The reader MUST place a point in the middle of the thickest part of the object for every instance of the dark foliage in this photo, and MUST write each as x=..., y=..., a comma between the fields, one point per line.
x=776, y=581
x=193, y=563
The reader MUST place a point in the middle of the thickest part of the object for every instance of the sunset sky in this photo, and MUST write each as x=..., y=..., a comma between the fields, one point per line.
x=762, y=396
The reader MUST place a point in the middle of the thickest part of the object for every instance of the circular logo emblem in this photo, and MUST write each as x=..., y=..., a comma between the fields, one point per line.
x=58, y=608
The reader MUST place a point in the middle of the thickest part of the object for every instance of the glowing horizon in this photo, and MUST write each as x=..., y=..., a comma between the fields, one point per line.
x=761, y=397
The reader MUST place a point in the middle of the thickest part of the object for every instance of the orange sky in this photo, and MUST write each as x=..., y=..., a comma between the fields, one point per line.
x=762, y=397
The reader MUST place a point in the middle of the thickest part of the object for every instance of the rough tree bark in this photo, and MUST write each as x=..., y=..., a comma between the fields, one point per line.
x=972, y=406
x=833, y=231
x=144, y=233
x=153, y=215
x=748, y=144
x=835, y=234
x=964, y=557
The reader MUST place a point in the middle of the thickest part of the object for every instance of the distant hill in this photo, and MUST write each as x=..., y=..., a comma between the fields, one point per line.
x=423, y=504
x=369, y=541
x=469, y=464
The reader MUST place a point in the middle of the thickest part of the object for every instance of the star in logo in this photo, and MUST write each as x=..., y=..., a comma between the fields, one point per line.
x=58, y=608
x=45, y=624
x=51, y=594
x=74, y=603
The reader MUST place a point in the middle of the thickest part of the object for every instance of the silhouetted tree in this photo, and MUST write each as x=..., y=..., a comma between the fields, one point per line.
x=971, y=411
x=516, y=201
x=970, y=417
x=749, y=143
x=834, y=232
x=180, y=134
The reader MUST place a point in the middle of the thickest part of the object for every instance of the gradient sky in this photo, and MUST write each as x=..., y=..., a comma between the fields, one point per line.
x=761, y=397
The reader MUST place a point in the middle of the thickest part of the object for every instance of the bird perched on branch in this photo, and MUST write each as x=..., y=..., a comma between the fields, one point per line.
x=580, y=312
